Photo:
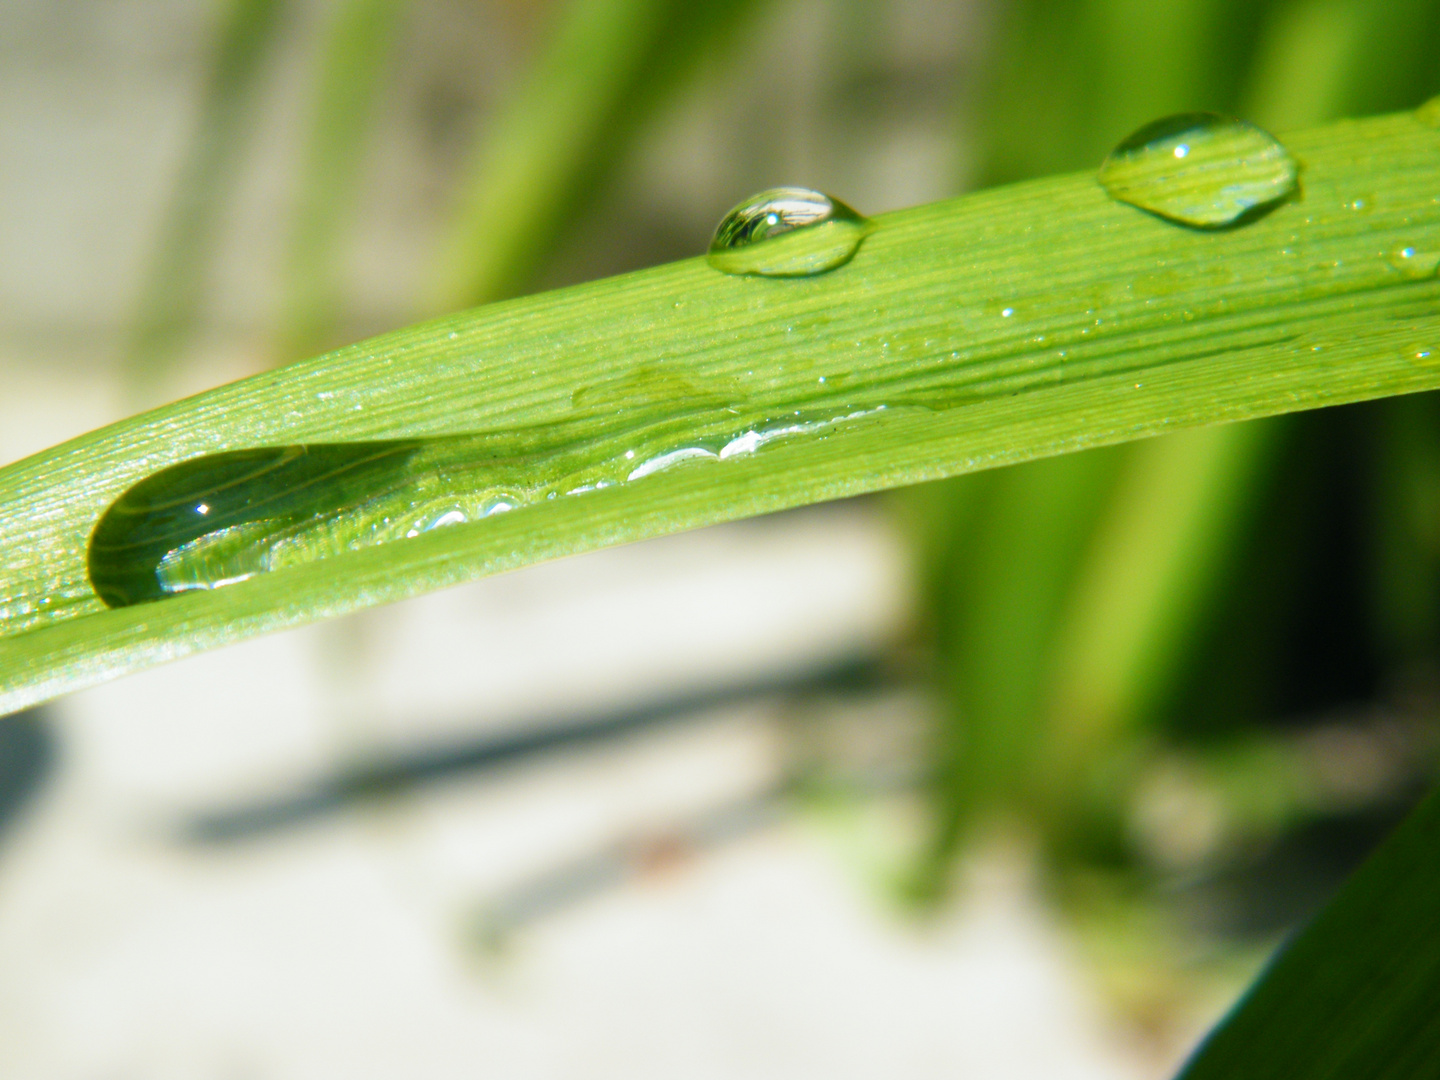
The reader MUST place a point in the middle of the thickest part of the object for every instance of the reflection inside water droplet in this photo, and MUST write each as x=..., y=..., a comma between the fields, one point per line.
x=1200, y=169
x=787, y=232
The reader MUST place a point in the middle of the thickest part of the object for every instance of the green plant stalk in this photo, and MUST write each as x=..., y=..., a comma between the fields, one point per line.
x=1123, y=326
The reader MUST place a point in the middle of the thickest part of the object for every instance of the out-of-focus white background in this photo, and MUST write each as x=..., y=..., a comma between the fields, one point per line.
x=656, y=903
x=572, y=916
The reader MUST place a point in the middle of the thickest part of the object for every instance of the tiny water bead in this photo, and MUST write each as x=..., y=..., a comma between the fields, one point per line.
x=1414, y=261
x=787, y=232
x=1200, y=169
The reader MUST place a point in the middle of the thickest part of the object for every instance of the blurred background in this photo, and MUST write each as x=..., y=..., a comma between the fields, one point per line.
x=1021, y=774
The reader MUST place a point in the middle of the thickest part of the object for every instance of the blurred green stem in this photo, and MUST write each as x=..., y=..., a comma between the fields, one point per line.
x=174, y=288
x=361, y=40
x=1157, y=555
x=608, y=63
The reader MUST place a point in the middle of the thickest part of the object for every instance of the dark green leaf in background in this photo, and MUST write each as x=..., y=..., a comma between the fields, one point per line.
x=1355, y=994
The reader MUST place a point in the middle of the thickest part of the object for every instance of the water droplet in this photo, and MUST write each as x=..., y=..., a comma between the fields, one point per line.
x=223, y=518
x=453, y=516
x=214, y=520
x=787, y=232
x=1414, y=262
x=665, y=461
x=1200, y=169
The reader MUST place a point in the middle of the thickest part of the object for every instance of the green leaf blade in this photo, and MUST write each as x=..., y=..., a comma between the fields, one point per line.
x=1121, y=326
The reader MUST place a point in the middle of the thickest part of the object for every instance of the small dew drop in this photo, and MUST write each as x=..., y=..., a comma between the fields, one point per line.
x=787, y=232
x=1414, y=262
x=1200, y=169
x=1007, y=313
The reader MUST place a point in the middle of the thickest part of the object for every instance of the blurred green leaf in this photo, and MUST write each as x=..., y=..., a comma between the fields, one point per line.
x=604, y=69
x=999, y=597
x=361, y=40
x=174, y=288
x=1170, y=522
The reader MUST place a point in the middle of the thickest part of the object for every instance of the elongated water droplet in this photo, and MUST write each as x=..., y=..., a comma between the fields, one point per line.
x=217, y=519
x=1200, y=169
x=220, y=519
x=787, y=232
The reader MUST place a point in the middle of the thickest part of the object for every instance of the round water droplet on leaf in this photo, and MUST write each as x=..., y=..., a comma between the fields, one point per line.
x=1200, y=169
x=787, y=232
x=1414, y=261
